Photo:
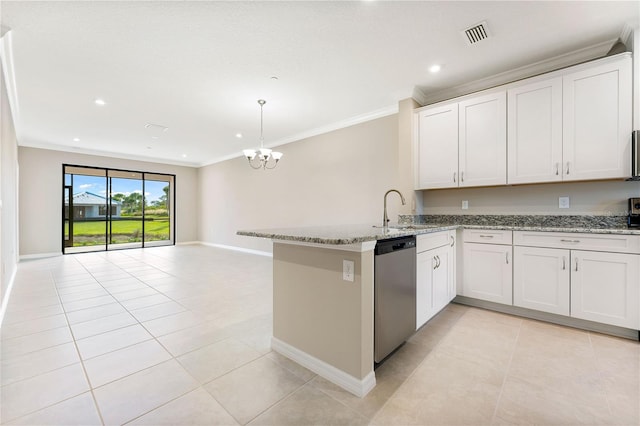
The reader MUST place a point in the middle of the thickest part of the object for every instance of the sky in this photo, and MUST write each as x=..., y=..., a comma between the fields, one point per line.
x=98, y=185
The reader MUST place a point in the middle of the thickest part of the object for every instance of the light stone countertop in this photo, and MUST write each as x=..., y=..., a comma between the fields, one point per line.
x=351, y=234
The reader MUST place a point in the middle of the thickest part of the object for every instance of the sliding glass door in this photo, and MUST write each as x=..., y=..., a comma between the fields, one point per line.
x=107, y=209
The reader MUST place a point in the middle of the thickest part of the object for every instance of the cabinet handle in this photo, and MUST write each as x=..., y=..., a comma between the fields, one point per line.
x=486, y=236
x=453, y=241
x=438, y=257
x=564, y=263
x=570, y=241
x=454, y=177
x=576, y=264
x=435, y=263
x=507, y=257
x=557, y=169
x=461, y=176
x=568, y=167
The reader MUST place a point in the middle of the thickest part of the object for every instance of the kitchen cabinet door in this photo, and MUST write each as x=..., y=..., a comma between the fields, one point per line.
x=487, y=272
x=437, y=147
x=541, y=279
x=597, y=121
x=534, y=140
x=433, y=286
x=483, y=140
x=605, y=287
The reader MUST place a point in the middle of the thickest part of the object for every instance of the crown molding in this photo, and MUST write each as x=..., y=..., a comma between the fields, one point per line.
x=536, y=68
x=379, y=113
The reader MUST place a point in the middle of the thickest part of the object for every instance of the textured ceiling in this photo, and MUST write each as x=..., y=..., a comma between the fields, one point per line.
x=198, y=68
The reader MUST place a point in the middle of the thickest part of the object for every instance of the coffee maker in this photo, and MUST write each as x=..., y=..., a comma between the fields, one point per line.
x=634, y=212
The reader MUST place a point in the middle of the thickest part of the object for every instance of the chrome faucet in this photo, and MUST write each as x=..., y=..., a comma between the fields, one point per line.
x=385, y=219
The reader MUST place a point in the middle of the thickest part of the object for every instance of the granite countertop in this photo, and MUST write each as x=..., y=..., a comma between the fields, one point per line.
x=423, y=224
x=344, y=234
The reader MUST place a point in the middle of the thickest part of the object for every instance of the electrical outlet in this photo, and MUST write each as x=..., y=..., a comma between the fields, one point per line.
x=465, y=205
x=563, y=202
x=347, y=270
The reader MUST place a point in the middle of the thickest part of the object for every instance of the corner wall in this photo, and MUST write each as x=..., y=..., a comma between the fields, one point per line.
x=8, y=195
x=41, y=191
x=336, y=178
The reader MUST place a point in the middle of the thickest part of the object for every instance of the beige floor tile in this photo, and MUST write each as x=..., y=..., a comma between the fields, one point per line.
x=95, y=313
x=252, y=388
x=39, y=362
x=309, y=406
x=33, y=326
x=88, y=303
x=525, y=403
x=146, y=301
x=64, y=291
x=112, y=340
x=102, y=325
x=135, y=395
x=445, y=390
x=195, y=408
x=371, y=403
x=89, y=294
x=157, y=311
x=192, y=338
x=171, y=323
x=219, y=358
x=123, y=362
x=292, y=366
x=80, y=410
x=18, y=346
x=27, y=396
x=12, y=317
x=134, y=294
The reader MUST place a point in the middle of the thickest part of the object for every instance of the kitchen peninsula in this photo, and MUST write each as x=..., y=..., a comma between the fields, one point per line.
x=321, y=320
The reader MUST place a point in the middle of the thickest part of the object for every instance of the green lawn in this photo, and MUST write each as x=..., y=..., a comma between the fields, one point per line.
x=122, y=231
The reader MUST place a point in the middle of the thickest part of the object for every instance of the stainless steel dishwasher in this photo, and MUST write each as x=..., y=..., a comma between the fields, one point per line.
x=394, y=294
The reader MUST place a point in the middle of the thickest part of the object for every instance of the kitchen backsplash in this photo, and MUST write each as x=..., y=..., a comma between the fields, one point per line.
x=576, y=221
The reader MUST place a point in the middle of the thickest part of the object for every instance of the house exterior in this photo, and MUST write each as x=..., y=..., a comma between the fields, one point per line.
x=87, y=205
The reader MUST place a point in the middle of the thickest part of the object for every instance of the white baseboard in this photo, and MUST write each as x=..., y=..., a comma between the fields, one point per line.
x=188, y=243
x=234, y=248
x=359, y=388
x=5, y=299
x=38, y=256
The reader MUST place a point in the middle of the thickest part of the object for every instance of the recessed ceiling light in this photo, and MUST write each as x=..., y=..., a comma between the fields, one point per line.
x=434, y=68
x=76, y=139
x=184, y=155
x=100, y=102
x=239, y=135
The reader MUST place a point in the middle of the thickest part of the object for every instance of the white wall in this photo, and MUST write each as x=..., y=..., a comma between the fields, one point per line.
x=336, y=178
x=41, y=191
x=593, y=198
x=8, y=195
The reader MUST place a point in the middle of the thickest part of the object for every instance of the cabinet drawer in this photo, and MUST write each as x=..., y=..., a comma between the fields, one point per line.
x=433, y=240
x=595, y=242
x=490, y=236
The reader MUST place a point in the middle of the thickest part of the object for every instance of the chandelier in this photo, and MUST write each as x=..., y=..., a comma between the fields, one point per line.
x=266, y=158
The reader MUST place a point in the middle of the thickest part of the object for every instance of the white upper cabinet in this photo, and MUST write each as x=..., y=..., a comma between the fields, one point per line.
x=483, y=140
x=567, y=125
x=597, y=121
x=437, y=147
x=535, y=132
x=463, y=144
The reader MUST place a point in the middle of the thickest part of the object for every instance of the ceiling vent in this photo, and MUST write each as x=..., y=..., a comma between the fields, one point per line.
x=476, y=33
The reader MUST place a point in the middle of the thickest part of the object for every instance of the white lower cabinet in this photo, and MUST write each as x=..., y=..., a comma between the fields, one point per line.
x=605, y=287
x=487, y=272
x=541, y=279
x=435, y=274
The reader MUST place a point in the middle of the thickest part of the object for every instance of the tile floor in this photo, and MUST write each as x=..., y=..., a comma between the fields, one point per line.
x=180, y=335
